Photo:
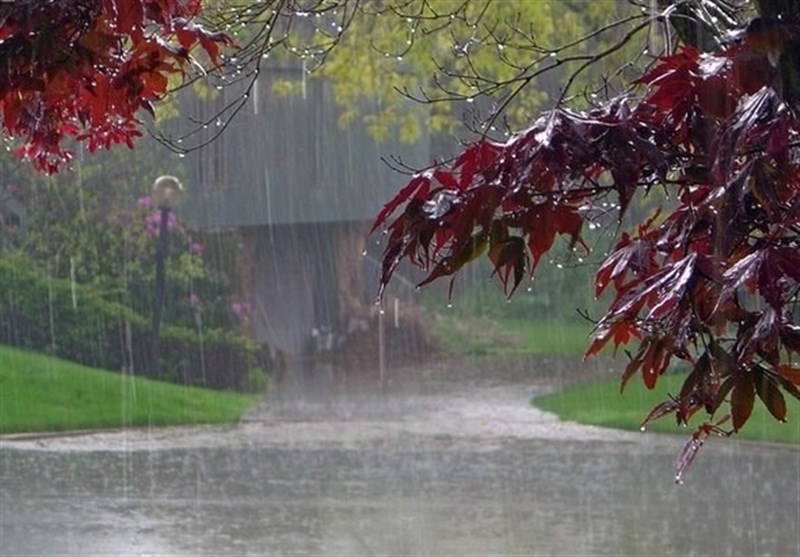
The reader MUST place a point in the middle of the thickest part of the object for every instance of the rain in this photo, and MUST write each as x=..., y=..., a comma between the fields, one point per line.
x=406, y=424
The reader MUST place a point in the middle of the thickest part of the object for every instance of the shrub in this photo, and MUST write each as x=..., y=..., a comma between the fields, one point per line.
x=72, y=321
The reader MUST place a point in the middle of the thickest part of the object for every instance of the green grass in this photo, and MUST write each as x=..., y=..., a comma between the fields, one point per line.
x=482, y=336
x=41, y=393
x=600, y=403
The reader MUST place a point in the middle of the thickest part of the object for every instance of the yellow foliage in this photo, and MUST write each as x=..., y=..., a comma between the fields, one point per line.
x=417, y=50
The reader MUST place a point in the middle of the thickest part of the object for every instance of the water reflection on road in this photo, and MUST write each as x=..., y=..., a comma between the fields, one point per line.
x=445, y=460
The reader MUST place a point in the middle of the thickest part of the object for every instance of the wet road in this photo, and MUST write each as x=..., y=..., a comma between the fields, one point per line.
x=446, y=460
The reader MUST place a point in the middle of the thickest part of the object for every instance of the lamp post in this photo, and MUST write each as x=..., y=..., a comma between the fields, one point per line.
x=167, y=193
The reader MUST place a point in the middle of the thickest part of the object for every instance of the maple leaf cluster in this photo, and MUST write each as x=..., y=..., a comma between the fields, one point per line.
x=713, y=281
x=82, y=69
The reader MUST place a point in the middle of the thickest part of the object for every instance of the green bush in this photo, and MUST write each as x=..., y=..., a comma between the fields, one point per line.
x=72, y=321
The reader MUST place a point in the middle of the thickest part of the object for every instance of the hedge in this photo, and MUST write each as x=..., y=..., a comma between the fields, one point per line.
x=74, y=322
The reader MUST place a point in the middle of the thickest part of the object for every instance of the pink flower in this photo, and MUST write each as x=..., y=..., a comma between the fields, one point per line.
x=196, y=248
x=151, y=224
x=145, y=202
x=241, y=310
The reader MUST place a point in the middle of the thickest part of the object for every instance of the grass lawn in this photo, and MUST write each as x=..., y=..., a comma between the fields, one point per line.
x=600, y=403
x=41, y=393
x=482, y=336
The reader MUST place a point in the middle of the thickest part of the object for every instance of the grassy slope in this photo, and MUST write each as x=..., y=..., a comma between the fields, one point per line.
x=41, y=393
x=600, y=403
x=480, y=336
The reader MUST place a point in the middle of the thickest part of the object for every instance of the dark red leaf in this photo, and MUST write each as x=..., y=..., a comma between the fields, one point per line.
x=621, y=332
x=655, y=361
x=789, y=372
x=418, y=187
x=446, y=179
x=509, y=256
x=770, y=395
x=689, y=452
x=456, y=260
x=663, y=409
x=742, y=399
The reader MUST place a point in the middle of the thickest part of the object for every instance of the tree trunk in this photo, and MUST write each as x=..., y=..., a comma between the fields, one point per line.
x=788, y=13
x=349, y=244
x=693, y=30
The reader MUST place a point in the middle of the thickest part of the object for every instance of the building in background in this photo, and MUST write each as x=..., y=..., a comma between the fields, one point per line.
x=302, y=191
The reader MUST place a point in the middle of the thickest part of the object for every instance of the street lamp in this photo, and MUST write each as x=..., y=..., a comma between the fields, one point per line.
x=167, y=193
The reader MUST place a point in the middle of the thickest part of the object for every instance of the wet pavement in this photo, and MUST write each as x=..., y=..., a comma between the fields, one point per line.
x=448, y=459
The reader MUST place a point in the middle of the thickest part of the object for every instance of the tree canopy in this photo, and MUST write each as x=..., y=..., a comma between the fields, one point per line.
x=82, y=69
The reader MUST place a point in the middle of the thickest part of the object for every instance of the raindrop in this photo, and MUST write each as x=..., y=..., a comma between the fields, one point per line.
x=643, y=428
x=470, y=99
x=364, y=252
x=553, y=54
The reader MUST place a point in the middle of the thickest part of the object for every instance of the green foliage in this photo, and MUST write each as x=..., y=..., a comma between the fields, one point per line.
x=450, y=49
x=97, y=226
x=257, y=381
x=73, y=321
x=41, y=393
x=601, y=403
